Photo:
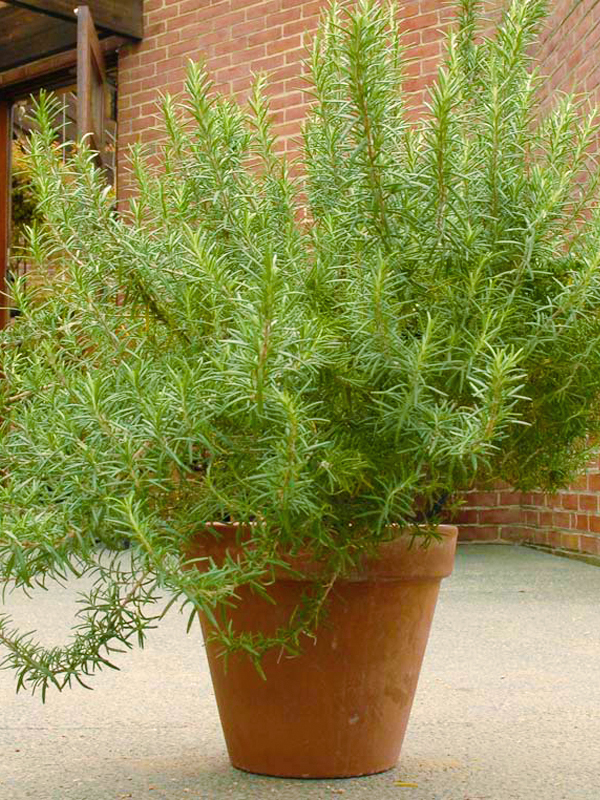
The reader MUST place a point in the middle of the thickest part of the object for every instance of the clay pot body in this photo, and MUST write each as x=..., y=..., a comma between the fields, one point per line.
x=341, y=708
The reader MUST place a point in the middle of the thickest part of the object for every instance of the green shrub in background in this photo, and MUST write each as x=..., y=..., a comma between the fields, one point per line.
x=321, y=356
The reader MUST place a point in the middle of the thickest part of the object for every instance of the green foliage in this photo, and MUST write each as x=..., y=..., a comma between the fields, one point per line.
x=318, y=356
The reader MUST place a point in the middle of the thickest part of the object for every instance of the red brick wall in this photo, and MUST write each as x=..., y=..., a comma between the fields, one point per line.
x=569, y=56
x=239, y=37
x=568, y=520
x=568, y=51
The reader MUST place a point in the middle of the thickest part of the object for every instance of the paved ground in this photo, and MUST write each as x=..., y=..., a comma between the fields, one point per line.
x=508, y=706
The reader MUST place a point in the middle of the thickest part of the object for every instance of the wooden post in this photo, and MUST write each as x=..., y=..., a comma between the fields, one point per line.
x=5, y=194
x=91, y=82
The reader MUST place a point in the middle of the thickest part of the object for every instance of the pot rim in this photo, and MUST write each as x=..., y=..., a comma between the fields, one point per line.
x=401, y=558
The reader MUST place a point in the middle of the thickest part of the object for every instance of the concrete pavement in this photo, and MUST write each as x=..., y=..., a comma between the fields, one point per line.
x=508, y=706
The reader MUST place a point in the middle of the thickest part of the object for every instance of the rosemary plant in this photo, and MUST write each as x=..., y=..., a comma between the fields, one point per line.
x=322, y=356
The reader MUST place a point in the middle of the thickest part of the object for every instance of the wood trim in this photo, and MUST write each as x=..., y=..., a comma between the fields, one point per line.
x=121, y=17
x=5, y=185
x=24, y=37
x=21, y=81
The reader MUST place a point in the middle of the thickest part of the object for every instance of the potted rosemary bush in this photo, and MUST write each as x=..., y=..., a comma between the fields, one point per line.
x=267, y=376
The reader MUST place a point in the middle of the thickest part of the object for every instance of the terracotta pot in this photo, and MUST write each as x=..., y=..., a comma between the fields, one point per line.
x=341, y=708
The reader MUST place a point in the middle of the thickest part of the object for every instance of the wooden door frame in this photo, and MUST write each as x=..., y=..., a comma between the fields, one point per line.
x=15, y=84
x=10, y=92
x=5, y=203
